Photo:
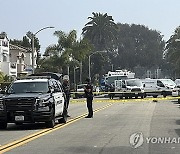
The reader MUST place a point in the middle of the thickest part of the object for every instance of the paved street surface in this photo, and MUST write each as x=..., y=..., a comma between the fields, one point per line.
x=108, y=132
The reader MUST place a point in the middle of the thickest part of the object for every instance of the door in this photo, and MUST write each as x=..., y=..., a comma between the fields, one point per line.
x=58, y=98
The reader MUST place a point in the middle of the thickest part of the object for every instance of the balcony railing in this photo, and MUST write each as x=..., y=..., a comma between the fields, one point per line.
x=9, y=68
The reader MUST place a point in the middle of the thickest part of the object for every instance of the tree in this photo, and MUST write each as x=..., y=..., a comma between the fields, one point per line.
x=1, y=77
x=138, y=46
x=25, y=42
x=29, y=35
x=68, y=47
x=172, y=53
x=101, y=31
x=61, y=51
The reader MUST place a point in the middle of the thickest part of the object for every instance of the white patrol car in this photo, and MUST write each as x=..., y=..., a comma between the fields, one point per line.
x=33, y=99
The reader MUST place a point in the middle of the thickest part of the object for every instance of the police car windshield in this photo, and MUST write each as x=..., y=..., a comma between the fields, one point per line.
x=29, y=87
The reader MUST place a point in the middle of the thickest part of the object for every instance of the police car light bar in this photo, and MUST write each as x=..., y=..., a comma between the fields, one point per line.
x=35, y=77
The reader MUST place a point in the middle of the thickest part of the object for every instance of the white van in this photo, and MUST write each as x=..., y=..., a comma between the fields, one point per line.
x=176, y=90
x=177, y=82
x=129, y=88
x=155, y=87
x=150, y=87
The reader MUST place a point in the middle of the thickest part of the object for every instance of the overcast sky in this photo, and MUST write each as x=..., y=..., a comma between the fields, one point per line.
x=20, y=16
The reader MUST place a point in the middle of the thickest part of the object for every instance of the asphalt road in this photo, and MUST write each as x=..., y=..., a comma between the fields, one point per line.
x=118, y=127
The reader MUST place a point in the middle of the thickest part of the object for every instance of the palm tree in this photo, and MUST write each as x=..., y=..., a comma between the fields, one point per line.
x=67, y=47
x=101, y=31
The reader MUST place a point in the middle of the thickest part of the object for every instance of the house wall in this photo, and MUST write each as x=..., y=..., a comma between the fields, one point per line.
x=4, y=50
x=4, y=56
x=11, y=60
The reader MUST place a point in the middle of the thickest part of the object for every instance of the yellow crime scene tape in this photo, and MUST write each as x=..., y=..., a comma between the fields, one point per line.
x=118, y=92
x=117, y=99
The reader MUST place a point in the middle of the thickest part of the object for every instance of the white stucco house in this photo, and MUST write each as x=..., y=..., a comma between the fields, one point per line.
x=15, y=60
x=23, y=58
x=5, y=64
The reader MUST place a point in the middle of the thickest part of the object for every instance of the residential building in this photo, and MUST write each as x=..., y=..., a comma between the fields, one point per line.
x=23, y=58
x=6, y=66
x=15, y=60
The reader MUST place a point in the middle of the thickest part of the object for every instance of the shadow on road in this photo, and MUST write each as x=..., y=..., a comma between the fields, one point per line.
x=14, y=127
x=26, y=126
x=174, y=101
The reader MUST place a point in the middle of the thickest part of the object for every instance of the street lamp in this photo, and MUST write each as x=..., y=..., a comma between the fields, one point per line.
x=90, y=61
x=177, y=40
x=33, y=36
x=75, y=77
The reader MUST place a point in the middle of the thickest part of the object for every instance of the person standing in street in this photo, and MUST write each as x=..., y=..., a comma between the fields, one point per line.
x=89, y=96
x=66, y=88
x=111, y=90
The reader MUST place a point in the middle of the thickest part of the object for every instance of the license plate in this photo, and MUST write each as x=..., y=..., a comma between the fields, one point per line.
x=136, y=93
x=19, y=118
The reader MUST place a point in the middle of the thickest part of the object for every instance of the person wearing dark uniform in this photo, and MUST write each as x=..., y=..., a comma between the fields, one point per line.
x=111, y=89
x=89, y=96
x=66, y=89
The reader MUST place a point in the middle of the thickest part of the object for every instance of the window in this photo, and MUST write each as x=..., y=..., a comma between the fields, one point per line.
x=4, y=57
x=160, y=84
x=13, y=65
x=5, y=43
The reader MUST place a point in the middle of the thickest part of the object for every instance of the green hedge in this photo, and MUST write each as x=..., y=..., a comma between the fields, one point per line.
x=3, y=85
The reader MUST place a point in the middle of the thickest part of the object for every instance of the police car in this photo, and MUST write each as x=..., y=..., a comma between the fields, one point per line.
x=33, y=99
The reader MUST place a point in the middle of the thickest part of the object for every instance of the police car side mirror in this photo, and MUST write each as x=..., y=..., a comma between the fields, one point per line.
x=51, y=90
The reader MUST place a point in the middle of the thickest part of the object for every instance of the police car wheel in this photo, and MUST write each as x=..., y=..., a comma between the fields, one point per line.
x=51, y=123
x=64, y=117
x=3, y=125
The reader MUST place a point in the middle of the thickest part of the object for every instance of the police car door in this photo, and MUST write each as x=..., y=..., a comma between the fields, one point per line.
x=59, y=99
